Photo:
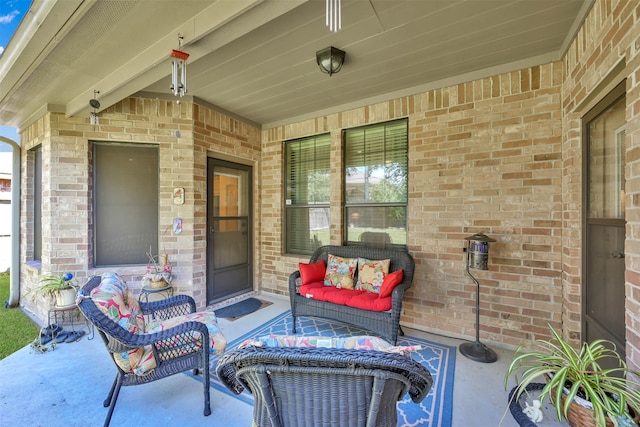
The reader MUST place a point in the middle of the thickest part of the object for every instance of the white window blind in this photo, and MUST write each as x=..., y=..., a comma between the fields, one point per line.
x=307, y=184
x=376, y=171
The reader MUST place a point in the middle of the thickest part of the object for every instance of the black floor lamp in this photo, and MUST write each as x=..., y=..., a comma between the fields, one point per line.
x=478, y=257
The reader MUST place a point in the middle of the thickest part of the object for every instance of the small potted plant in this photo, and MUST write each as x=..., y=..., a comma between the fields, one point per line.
x=157, y=276
x=583, y=375
x=57, y=285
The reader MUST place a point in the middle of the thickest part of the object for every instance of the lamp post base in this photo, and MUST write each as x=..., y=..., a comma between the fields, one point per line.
x=478, y=352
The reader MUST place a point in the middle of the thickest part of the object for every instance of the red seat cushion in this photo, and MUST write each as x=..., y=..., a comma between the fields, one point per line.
x=310, y=287
x=370, y=301
x=342, y=296
x=331, y=294
x=319, y=292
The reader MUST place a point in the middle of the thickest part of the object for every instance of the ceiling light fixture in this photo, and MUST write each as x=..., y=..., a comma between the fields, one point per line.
x=334, y=15
x=330, y=59
x=179, y=70
x=95, y=104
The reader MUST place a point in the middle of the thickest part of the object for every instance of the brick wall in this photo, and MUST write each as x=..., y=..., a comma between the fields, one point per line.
x=185, y=133
x=500, y=155
x=483, y=156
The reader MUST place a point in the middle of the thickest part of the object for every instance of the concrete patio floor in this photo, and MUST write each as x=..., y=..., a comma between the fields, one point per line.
x=66, y=387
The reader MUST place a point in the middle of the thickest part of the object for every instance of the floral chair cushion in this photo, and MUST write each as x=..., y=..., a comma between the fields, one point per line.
x=217, y=341
x=138, y=361
x=115, y=299
x=362, y=342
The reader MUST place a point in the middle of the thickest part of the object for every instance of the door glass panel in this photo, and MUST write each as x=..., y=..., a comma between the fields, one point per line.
x=230, y=193
x=230, y=242
x=230, y=211
x=606, y=174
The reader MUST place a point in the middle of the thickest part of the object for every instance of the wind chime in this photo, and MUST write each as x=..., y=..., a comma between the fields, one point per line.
x=179, y=70
x=334, y=15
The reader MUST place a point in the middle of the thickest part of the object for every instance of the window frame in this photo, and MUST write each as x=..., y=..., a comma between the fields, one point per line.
x=289, y=207
x=346, y=205
x=141, y=255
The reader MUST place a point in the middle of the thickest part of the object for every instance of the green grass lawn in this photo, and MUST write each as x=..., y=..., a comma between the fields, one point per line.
x=16, y=329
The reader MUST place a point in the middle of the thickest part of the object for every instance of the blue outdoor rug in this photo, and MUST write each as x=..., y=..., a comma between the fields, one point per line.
x=434, y=411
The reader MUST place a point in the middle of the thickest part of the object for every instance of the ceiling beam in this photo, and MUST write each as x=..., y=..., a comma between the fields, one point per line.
x=142, y=69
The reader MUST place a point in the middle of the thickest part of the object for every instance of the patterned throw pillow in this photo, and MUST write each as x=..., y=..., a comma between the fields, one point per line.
x=371, y=274
x=360, y=342
x=340, y=272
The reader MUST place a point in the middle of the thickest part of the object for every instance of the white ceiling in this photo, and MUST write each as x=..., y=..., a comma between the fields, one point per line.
x=256, y=58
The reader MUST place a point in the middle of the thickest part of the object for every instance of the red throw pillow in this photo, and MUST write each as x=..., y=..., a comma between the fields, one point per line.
x=312, y=272
x=390, y=282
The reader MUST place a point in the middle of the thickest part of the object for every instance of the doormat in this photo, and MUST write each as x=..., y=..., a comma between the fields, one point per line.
x=241, y=308
x=434, y=411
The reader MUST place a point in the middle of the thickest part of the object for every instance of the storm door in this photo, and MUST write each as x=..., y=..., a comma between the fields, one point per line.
x=604, y=266
x=229, y=243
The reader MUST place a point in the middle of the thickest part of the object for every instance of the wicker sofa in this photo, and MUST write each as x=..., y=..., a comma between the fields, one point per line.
x=323, y=386
x=385, y=323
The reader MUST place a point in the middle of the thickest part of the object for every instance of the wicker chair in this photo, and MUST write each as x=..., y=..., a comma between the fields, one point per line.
x=181, y=347
x=322, y=386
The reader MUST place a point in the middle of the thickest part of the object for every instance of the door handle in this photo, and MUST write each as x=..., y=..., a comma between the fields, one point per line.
x=617, y=254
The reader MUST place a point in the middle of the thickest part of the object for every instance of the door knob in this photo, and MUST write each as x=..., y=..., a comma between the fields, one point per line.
x=617, y=255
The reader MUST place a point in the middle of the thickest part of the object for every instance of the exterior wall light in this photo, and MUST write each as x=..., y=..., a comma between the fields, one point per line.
x=330, y=60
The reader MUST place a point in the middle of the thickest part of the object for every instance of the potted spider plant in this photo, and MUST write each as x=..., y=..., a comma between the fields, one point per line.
x=579, y=375
x=59, y=286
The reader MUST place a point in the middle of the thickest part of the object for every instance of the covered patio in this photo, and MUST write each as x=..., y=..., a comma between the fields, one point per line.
x=496, y=104
x=66, y=387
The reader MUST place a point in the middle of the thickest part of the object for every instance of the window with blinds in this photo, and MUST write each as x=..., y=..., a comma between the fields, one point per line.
x=125, y=203
x=375, y=184
x=307, y=185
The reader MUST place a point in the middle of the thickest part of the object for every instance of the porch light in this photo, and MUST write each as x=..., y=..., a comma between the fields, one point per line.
x=179, y=70
x=330, y=60
x=478, y=258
